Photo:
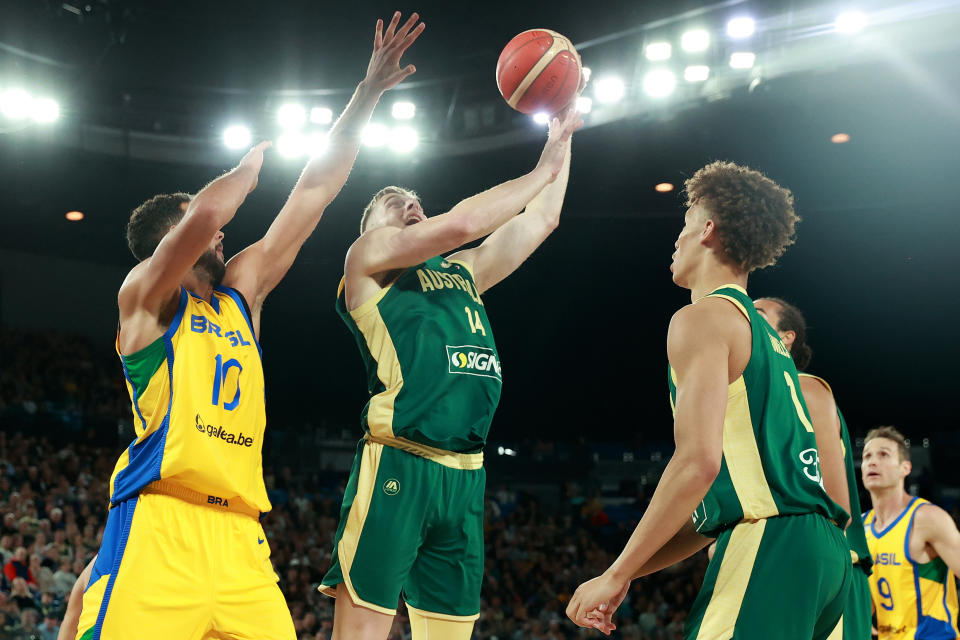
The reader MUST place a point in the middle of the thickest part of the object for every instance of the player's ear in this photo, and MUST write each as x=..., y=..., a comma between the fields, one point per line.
x=907, y=466
x=787, y=337
x=709, y=232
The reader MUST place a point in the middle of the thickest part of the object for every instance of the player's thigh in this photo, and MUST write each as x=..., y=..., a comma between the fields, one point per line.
x=356, y=622
x=771, y=578
x=150, y=579
x=446, y=577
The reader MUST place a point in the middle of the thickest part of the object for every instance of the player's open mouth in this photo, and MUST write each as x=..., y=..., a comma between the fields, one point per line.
x=412, y=221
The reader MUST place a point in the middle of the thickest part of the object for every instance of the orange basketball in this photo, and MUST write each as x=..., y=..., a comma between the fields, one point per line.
x=539, y=70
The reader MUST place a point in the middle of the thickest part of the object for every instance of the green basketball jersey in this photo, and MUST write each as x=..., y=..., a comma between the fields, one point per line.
x=770, y=463
x=856, y=538
x=432, y=366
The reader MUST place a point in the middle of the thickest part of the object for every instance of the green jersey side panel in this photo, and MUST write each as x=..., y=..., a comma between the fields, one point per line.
x=770, y=463
x=433, y=371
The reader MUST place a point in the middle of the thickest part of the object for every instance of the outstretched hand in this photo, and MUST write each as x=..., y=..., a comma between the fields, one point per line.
x=253, y=161
x=557, y=145
x=384, y=71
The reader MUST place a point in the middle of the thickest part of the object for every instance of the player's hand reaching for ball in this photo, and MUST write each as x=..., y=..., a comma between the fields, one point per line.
x=384, y=71
x=253, y=161
x=558, y=142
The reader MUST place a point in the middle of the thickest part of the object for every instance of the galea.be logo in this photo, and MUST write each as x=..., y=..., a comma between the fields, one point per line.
x=474, y=361
x=222, y=434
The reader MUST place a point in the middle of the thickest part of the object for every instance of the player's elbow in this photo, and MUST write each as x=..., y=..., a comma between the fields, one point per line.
x=702, y=464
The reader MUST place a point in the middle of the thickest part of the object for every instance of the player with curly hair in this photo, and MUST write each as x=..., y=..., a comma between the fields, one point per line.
x=746, y=467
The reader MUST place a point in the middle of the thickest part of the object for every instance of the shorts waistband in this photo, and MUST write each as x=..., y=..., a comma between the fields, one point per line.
x=469, y=461
x=174, y=490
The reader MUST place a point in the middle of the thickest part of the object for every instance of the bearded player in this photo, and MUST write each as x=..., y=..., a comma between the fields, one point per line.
x=836, y=458
x=183, y=553
x=411, y=523
x=746, y=464
x=915, y=547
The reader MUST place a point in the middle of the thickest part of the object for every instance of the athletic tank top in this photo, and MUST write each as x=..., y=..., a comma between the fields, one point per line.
x=856, y=538
x=198, y=405
x=433, y=372
x=915, y=601
x=770, y=464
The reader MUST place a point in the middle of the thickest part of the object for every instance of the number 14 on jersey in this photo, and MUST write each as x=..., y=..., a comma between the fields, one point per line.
x=473, y=317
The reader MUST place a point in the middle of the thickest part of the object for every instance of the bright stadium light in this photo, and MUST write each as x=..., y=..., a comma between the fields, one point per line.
x=695, y=40
x=850, y=22
x=742, y=59
x=321, y=115
x=659, y=83
x=658, y=51
x=74, y=216
x=664, y=187
x=584, y=104
x=291, y=145
x=696, y=73
x=317, y=142
x=237, y=136
x=15, y=104
x=739, y=28
x=403, y=110
x=45, y=110
x=609, y=89
x=541, y=117
x=291, y=115
x=375, y=135
x=404, y=139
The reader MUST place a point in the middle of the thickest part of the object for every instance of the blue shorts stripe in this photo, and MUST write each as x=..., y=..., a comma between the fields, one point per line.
x=129, y=507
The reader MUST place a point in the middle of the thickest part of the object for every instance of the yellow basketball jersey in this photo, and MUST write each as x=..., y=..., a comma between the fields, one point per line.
x=198, y=406
x=911, y=600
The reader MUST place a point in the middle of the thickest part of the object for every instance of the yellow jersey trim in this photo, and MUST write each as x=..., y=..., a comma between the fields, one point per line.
x=468, y=461
x=742, y=456
x=733, y=577
x=380, y=345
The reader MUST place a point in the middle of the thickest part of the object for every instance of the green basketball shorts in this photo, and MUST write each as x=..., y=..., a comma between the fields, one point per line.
x=857, y=617
x=411, y=524
x=785, y=577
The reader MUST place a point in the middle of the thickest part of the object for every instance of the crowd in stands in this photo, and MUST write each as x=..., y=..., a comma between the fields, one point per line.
x=54, y=491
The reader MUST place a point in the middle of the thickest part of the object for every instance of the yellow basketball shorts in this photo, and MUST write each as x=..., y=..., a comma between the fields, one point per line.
x=170, y=569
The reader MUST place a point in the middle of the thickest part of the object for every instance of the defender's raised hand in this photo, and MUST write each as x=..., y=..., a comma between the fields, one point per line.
x=384, y=71
x=253, y=160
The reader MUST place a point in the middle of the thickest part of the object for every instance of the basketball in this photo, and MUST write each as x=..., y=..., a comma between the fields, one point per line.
x=539, y=70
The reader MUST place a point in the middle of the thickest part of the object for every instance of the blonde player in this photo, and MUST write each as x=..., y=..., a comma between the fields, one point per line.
x=183, y=554
x=915, y=547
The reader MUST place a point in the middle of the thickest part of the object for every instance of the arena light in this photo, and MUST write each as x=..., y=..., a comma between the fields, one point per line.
x=15, y=104
x=291, y=145
x=291, y=115
x=403, y=110
x=742, y=59
x=586, y=74
x=237, y=136
x=664, y=187
x=609, y=89
x=74, y=216
x=840, y=138
x=317, y=143
x=742, y=27
x=404, y=139
x=45, y=110
x=659, y=83
x=658, y=51
x=584, y=104
x=375, y=135
x=696, y=73
x=695, y=40
x=850, y=22
x=541, y=117
x=321, y=115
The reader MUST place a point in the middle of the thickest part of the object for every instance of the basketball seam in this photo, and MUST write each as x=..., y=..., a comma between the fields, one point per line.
x=563, y=83
x=518, y=50
x=514, y=103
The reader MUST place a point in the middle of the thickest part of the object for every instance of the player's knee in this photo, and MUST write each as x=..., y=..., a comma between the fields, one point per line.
x=423, y=627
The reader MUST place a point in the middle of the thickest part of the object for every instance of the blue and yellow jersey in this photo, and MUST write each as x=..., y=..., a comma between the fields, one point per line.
x=911, y=600
x=198, y=406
